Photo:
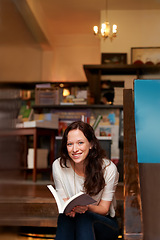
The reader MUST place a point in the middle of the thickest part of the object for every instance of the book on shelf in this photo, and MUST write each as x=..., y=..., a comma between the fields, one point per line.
x=10, y=94
x=45, y=120
x=97, y=121
x=25, y=113
x=26, y=94
x=73, y=103
x=79, y=101
x=41, y=124
x=66, y=103
x=46, y=116
x=105, y=131
x=69, y=116
x=82, y=94
x=79, y=199
x=43, y=85
x=63, y=124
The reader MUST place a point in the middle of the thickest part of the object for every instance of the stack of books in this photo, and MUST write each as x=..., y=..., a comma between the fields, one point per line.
x=46, y=120
x=79, y=101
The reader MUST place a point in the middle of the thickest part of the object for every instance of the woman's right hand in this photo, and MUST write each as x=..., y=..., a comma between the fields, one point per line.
x=71, y=214
x=80, y=209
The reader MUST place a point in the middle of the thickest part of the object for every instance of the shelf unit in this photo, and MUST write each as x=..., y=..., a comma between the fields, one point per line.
x=94, y=73
x=94, y=106
x=36, y=133
x=47, y=108
x=93, y=110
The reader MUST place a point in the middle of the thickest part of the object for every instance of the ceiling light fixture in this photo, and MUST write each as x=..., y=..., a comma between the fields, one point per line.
x=106, y=31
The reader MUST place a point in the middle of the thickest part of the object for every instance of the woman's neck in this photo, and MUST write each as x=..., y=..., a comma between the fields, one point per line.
x=78, y=168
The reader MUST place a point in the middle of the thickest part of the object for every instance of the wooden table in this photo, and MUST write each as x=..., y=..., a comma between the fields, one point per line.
x=35, y=132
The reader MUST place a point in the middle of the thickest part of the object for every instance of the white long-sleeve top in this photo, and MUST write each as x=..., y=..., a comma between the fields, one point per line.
x=68, y=183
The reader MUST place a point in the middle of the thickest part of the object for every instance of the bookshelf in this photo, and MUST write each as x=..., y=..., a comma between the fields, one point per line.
x=88, y=112
x=95, y=72
x=113, y=131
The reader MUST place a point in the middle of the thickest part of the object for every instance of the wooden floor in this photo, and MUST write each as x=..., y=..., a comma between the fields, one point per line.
x=14, y=236
x=29, y=208
x=26, y=233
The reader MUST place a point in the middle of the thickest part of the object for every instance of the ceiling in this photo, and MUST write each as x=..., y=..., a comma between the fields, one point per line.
x=80, y=16
x=71, y=17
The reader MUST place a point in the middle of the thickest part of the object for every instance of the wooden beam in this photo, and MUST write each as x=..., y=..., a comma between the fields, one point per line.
x=133, y=222
x=32, y=23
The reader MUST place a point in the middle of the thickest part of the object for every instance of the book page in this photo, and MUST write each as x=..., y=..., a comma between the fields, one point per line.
x=59, y=200
x=80, y=199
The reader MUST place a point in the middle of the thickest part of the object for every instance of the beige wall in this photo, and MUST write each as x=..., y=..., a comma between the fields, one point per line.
x=135, y=29
x=20, y=55
x=20, y=63
x=23, y=58
x=70, y=53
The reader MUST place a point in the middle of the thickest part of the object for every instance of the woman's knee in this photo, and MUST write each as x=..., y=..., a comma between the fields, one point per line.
x=64, y=220
x=106, y=230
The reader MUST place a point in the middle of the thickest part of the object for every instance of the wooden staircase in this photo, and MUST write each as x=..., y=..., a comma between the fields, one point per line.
x=24, y=203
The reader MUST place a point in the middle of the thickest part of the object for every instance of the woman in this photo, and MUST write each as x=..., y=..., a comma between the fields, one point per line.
x=83, y=166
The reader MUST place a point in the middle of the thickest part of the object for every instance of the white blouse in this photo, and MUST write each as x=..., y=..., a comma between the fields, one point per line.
x=68, y=183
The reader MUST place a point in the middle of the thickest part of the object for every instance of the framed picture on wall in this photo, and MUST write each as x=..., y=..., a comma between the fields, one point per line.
x=114, y=58
x=145, y=55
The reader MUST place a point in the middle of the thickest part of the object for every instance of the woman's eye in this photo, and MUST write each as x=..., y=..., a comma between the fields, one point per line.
x=80, y=143
x=69, y=144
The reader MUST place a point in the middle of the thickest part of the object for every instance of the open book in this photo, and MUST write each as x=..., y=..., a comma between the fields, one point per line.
x=80, y=199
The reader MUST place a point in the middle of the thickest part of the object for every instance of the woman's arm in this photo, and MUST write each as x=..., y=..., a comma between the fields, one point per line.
x=102, y=208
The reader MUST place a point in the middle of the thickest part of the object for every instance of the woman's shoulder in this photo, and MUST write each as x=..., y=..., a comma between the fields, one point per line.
x=110, y=170
x=56, y=163
x=108, y=164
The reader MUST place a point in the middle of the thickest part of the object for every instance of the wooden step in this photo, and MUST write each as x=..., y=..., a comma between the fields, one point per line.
x=25, y=203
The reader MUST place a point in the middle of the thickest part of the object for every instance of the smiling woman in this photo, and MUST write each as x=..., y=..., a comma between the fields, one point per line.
x=78, y=149
x=83, y=167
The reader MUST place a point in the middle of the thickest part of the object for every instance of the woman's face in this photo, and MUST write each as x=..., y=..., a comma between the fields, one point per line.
x=78, y=146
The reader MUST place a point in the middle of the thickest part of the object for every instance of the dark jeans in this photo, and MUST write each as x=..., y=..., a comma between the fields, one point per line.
x=87, y=226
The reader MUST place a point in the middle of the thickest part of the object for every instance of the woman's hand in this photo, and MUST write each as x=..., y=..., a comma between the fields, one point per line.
x=102, y=208
x=80, y=209
x=71, y=214
x=77, y=209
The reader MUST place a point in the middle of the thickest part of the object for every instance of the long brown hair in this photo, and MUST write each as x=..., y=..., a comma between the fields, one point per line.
x=94, y=178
